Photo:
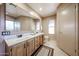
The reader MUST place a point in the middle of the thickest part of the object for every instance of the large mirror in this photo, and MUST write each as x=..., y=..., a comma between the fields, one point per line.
x=19, y=20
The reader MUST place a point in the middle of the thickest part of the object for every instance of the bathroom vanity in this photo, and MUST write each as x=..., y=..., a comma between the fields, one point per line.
x=24, y=46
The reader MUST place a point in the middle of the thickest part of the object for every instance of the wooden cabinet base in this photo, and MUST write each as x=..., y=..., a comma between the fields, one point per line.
x=26, y=48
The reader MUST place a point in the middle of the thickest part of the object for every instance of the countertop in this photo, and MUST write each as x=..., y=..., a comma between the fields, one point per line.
x=14, y=41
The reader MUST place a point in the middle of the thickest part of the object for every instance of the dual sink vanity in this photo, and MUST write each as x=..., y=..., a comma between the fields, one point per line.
x=23, y=46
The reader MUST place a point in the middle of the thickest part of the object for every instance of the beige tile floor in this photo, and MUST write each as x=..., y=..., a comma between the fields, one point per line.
x=57, y=51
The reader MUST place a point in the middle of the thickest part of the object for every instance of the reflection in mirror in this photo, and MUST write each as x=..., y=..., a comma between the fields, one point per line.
x=9, y=25
x=17, y=25
x=37, y=25
x=12, y=24
x=18, y=21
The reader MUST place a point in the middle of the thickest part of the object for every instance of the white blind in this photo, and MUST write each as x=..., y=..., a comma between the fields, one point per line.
x=51, y=27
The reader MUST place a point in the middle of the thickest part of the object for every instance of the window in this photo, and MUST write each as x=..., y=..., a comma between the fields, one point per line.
x=9, y=25
x=51, y=27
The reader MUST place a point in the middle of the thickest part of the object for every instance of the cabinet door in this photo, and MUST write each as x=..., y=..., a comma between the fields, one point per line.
x=36, y=42
x=66, y=17
x=30, y=47
x=40, y=40
x=12, y=51
x=18, y=50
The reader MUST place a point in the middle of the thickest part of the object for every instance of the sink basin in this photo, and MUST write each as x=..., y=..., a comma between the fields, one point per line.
x=19, y=36
x=10, y=37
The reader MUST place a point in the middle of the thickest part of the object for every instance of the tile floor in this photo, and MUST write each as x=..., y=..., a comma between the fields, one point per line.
x=57, y=51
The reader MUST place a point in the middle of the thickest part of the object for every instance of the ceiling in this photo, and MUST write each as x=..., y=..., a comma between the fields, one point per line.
x=31, y=9
x=44, y=9
x=15, y=11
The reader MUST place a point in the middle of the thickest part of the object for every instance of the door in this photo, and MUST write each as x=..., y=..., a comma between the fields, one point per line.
x=66, y=17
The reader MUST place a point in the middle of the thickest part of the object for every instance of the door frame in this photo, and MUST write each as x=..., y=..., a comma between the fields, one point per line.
x=76, y=42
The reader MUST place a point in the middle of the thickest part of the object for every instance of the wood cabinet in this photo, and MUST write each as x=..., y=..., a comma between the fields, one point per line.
x=36, y=43
x=40, y=40
x=26, y=48
x=17, y=50
x=30, y=47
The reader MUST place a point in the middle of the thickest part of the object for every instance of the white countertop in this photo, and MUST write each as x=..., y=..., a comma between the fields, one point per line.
x=11, y=42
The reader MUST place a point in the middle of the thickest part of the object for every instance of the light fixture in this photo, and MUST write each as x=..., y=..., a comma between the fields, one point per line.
x=40, y=9
x=64, y=12
x=31, y=13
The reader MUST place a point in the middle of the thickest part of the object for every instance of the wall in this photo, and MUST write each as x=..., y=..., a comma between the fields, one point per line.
x=45, y=26
x=2, y=18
